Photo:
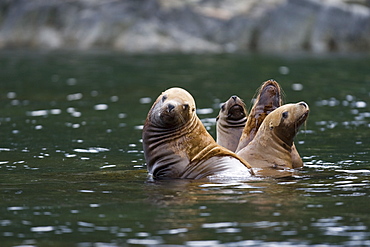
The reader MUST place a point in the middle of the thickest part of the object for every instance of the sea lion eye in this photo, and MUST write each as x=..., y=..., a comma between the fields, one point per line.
x=164, y=98
x=285, y=114
x=185, y=106
x=223, y=107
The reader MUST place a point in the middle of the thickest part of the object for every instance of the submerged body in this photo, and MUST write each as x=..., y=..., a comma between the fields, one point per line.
x=230, y=123
x=270, y=150
x=177, y=145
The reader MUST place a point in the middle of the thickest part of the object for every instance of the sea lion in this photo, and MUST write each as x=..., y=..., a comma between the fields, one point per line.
x=270, y=150
x=230, y=122
x=268, y=99
x=177, y=145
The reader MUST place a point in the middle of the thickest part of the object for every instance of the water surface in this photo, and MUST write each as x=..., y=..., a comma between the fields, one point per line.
x=72, y=169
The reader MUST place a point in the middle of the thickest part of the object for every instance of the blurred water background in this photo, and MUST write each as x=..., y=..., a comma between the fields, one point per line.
x=72, y=169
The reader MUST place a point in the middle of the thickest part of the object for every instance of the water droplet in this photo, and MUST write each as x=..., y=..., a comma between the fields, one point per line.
x=11, y=95
x=85, y=224
x=71, y=109
x=145, y=100
x=70, y=155
x=94, y=93
x=297, y=86
x=42, y=229
x=350, y=98
x=360, y=104
x=15, y=102
x=284, y=70
x=204, y=111
x=76, y=114
x=37, y=113
x=16, y=208
x=122, y=115
x=107, y=166
x=71, y=81
x=114, y=98
x=75, y=96
x=86, y=191
x=55, y=111
x=139, y=127
x=101, y=107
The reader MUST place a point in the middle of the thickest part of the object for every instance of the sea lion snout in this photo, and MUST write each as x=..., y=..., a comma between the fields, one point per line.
x=170, y=107
x=303, y=104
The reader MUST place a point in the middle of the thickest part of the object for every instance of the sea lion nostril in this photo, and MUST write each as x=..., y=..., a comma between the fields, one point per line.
x=304, y=104
x=234, y=97
x=170, y=107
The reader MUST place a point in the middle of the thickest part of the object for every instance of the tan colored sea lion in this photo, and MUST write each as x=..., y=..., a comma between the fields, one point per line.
x=230, y=122
x=270, y=150
x=268, y=99
x=177, y=145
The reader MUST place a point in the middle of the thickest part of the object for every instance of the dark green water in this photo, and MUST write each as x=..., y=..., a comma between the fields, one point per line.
x=72, y=170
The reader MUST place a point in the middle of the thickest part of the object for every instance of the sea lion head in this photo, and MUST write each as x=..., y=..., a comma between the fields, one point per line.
x=285, y=121
x=271, y=148
x=232, y=110
x=269, y=96
x=173, y=108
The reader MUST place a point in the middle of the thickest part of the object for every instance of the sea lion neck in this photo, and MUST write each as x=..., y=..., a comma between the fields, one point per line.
x=292, y=116
x=286, y=134
x=275, y=141
x=199, y=140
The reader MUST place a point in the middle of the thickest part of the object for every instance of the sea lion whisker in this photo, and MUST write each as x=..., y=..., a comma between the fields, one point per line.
x=182, y=119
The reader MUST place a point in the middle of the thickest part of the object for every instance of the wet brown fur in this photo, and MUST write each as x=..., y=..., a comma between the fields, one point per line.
x=230, y=122
x=268, y=99
x=177, y=145
x=271, y=148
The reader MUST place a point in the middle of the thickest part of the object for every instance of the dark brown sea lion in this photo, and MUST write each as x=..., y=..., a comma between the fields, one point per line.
x=270, y=150
x=230, y=123
x=268, y=99
x=177, y=145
